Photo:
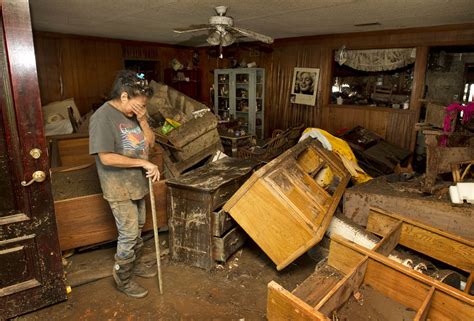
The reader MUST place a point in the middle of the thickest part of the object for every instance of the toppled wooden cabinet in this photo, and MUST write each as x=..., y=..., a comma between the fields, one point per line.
x=357, y=266
x=200, y=232
x=283, y=208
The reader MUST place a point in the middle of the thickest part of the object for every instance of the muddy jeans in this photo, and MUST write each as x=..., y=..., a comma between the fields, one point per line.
x=129, y=217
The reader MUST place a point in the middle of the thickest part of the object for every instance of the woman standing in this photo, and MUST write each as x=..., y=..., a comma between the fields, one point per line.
x=120, y=138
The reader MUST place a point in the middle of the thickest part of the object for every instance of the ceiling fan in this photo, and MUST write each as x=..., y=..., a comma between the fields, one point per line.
x=222, y=31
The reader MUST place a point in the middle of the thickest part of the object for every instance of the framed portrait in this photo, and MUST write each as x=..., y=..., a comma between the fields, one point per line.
x=305, y=86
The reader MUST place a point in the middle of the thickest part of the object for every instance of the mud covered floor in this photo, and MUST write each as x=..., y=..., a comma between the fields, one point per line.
x=236, y=290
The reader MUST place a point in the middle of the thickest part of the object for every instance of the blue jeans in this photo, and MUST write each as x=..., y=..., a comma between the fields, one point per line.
x=129, y=217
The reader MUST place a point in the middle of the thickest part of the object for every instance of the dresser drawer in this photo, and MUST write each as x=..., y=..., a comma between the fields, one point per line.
x=224, y=247
x=221, y=222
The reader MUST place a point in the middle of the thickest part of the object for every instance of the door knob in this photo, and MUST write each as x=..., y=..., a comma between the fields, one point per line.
x=35, y=153
x=38, y=176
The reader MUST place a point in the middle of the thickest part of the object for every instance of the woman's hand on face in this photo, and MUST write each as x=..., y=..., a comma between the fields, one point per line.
x=152, y=171
x=139, y=110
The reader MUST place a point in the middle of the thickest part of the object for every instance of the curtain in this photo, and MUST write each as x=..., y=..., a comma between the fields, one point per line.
x=376, y=59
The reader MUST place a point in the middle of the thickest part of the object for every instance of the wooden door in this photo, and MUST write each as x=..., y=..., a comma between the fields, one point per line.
x=31, y=274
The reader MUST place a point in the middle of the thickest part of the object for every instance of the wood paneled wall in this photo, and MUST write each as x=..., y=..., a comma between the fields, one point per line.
x=317, y=52
x=84, y=67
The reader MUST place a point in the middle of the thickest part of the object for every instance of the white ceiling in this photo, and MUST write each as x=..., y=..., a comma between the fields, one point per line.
x=154, y=20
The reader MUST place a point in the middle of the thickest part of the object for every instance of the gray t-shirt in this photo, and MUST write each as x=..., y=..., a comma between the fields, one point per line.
x=111, y=131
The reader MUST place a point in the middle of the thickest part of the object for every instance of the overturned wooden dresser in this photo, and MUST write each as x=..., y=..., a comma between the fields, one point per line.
x=200, y=232
x=351, y=267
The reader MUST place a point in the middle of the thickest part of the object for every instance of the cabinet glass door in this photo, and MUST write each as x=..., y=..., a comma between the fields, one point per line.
x=242, y=100
x=223, y=90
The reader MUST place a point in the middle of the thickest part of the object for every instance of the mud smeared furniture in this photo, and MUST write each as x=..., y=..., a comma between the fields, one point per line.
x=200, y=232
x=353, y=266
x=442, y=159
x=197, y=138
x=374, y=154
x=407, y=197
x=449, y=143
x=83, y=216
x=283, y=208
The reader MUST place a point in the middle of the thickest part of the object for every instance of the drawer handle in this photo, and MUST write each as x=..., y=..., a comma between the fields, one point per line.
x=224, y=194
x=234, y=242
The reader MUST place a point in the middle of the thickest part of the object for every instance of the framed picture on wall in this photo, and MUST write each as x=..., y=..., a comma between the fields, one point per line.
x=305, y=86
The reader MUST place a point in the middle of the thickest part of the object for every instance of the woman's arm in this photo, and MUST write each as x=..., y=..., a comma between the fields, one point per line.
x=147, y=132
x=140, y=112
x=117, y=160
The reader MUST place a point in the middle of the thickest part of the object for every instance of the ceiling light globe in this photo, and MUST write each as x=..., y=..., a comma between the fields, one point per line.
x=227, y=39
x=214, y=38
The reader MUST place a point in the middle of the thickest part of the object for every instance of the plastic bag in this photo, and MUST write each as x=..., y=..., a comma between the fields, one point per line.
x=169, y=125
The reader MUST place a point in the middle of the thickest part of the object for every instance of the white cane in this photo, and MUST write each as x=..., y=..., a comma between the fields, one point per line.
x=155, y=232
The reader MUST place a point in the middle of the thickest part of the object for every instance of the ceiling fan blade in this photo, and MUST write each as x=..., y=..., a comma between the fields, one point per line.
x=253, y=34
x=193, y=28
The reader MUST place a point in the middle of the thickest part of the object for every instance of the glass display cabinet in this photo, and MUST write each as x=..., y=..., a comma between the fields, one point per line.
x=239, y=94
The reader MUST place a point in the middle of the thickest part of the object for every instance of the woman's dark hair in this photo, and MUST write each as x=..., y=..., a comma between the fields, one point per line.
x=130, y=82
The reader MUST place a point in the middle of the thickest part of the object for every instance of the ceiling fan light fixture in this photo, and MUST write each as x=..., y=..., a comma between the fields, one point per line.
x=227, y=39
x=214, y=38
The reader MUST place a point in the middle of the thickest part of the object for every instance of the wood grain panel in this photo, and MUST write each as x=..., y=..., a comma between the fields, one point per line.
x=343, y=290
x=387, y=281
x=84, y=68
x=461, y=34
x=446, y=307
x=341, y=117
x=88, y=219
x=282, y=305
x=450, y=249
x=317, y=51
x=400, y=128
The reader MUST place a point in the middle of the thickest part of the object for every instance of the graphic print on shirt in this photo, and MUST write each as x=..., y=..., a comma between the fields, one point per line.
x=133, y=140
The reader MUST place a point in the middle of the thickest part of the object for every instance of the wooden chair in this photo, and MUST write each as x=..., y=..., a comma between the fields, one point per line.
x=281, y=140
x=267, y=152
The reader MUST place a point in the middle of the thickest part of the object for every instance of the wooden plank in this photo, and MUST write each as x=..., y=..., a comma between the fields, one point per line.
x=88, y=220
x=309, y=161
x=435, y=243
x=446, y=307
x=342, y=257
x=343, y=290
x=422, y=312
x=282, y=305
x=417, y=92
x=74, y=152
x=469, y=282
x=395, y=285
x=224, y=247
x=440, y=214
x=380, y=224
x=389, y=241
